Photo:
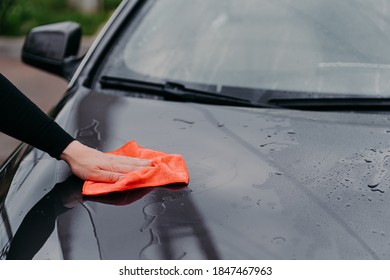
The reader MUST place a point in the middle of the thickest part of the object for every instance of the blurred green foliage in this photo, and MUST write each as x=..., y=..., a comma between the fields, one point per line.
x=18, y=17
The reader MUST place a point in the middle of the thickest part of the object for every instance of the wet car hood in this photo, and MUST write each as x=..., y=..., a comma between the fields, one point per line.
x=264, y=184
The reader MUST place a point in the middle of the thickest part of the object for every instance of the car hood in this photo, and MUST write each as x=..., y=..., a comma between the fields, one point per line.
x=264, y=184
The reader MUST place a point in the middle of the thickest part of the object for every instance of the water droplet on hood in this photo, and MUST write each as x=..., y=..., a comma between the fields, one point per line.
x=373, y=185
x=278, y=240
x=377, y=190
x=151, y=212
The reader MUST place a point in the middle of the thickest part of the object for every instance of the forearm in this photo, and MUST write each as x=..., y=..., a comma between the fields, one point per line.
x=23, y=120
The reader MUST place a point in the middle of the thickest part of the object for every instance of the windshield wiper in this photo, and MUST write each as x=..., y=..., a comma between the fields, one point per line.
x=175, y=91
x=334, y=103
x=266, y=98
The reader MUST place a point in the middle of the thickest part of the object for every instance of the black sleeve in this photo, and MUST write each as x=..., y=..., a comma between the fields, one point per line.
x=23, y=120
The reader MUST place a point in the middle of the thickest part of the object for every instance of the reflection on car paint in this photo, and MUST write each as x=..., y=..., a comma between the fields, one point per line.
x=166, y=233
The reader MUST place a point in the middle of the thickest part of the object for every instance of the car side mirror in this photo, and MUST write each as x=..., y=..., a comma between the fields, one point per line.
x=53, y=48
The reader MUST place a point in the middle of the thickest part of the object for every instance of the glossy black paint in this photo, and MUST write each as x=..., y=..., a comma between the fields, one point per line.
x=265, y=183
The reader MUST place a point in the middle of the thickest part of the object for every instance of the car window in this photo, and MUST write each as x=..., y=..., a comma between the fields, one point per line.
x=328, y=46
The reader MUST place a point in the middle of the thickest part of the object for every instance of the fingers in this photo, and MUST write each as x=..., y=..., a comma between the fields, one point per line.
x=106, y=176
x=114, y=167
x=114, y=174
x=125, y=168
x=123, y=164
x=131, y=161
x=91, y=164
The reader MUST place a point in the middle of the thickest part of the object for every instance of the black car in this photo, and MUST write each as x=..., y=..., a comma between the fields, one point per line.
x=279, y=108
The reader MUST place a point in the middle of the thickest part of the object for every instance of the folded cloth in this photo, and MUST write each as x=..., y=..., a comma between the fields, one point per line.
x=166, y=169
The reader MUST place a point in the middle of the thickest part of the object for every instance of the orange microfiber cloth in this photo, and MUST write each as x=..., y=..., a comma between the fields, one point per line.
x=166, y=169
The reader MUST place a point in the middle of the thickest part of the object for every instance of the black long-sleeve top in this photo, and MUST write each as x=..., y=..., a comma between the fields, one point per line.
x=22, y=119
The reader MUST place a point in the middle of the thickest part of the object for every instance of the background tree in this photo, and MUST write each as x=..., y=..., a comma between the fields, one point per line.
x=86, y=6
x=18, y=17
x=5, y=6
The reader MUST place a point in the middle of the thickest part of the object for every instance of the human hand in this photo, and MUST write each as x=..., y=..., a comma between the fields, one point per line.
x=90, y=164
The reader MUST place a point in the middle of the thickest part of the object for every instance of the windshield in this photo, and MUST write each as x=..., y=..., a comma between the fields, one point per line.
x=322, y=46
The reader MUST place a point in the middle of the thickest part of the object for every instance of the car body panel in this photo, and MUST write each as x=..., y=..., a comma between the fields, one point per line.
x=264, y=184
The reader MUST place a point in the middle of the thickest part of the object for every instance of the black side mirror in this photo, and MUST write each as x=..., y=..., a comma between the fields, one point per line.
x=53, y=48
